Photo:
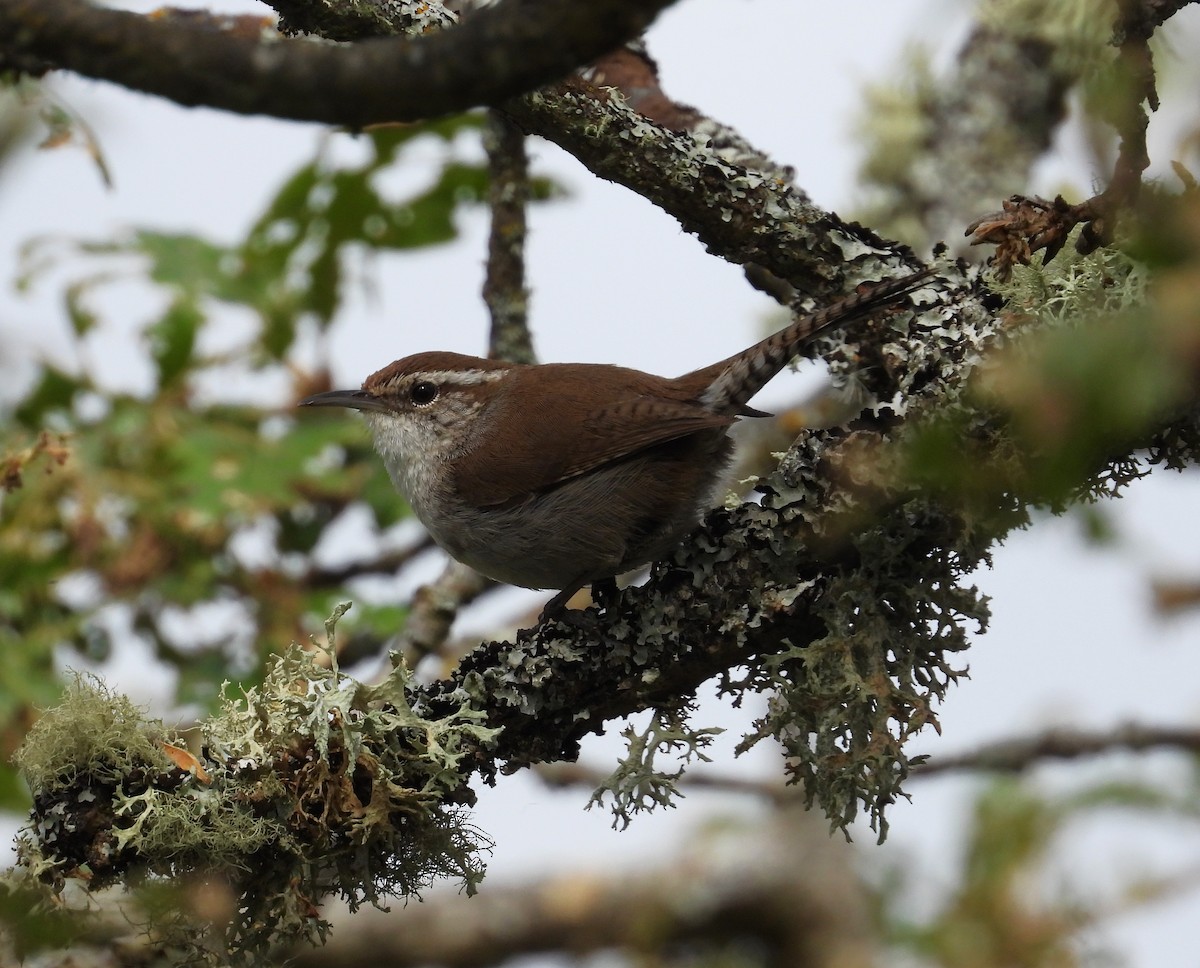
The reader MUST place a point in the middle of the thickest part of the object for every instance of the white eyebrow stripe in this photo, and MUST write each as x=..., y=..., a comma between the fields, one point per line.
x=464, y=378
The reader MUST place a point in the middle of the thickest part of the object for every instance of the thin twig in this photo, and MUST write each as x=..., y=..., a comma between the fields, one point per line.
x=435, y=605
x=318, y=576
x=563, y=775
x=1015, y=755
x=1027, y=224
x=504, y=289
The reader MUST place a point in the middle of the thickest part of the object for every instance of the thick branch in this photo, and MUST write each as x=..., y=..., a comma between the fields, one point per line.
x=742, y=215
x=839, y=525
x=730, y=596
x=502, y=51
x=745, y=215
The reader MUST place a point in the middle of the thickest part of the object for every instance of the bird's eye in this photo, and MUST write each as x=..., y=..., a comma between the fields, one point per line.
x=423, y=392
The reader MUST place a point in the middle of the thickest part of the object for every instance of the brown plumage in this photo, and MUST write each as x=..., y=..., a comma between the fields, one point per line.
x=560, y=474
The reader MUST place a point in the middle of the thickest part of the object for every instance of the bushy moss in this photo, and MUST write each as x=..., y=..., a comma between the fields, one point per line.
x=94, y=733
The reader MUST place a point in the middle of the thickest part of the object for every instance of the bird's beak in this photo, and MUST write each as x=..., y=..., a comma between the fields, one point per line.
x=354, y=399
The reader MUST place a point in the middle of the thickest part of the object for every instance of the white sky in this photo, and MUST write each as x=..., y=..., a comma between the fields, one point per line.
x=1073, y=640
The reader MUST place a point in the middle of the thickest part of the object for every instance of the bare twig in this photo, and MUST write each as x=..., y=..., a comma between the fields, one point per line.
x=434, y=607
x=504, y=289
x=1172, y=597
x=564, y=775
x=1012, y=756
x=318, y=576
x=1028, y=224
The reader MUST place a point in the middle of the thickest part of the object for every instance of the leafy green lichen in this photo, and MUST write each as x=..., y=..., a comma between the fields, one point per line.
x=307, y=785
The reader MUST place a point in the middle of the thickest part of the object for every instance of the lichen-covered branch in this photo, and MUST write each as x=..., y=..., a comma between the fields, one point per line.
x=780, y=884
x=307, y=785
x=842, y=593
x=751, y=216
x=351, y=20
x=504, y=291
x=841, y=596
x=740, y=214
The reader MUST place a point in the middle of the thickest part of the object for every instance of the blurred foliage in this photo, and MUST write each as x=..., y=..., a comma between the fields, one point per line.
x=134, y=514
x=1000, y=912
x=30, y=108
x=1010, y=901
x=1059, y=415
x=925, y=197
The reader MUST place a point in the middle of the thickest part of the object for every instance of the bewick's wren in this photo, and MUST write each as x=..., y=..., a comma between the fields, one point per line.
x=561, y=474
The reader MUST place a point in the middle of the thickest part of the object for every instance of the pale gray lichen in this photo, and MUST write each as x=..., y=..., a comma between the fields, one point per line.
x=745, y=215
x=1072, y=286
x=639, y=784
x=845, y=596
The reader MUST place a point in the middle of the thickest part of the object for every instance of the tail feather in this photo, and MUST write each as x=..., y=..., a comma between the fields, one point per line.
x=738, y=378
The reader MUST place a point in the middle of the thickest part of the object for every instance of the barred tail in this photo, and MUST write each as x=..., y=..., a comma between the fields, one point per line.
x=738, y=378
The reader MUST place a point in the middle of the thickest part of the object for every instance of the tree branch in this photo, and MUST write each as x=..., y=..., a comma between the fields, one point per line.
x=1015, y=755
x=500, y=52
x=782, y=884
x=504, y=289
x=744, y=215
x=1028, y=224
x=741, y=215
x=434, y=607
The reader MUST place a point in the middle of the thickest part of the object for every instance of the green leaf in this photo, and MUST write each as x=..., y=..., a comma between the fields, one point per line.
x=184, y=262
x=428, y=218
x=389, y=139
x=291, y=199
x=279, y=331
x=83, y=320
x=173, y=341
x=55, y=391
x=325, y=284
